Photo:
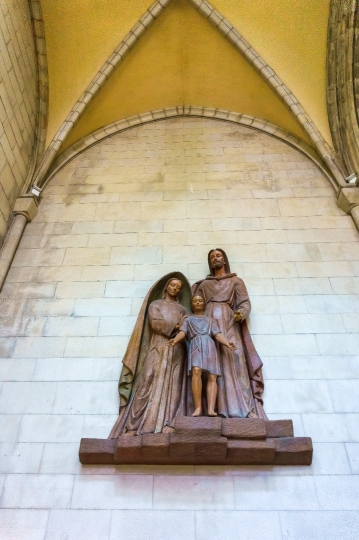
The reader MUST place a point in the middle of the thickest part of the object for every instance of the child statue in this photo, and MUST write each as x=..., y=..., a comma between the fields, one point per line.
x=202, y=354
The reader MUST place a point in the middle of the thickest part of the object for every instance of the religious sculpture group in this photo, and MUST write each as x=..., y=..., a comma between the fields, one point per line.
x=191, y=384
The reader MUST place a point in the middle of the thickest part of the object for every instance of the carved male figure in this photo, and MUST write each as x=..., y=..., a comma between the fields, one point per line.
x=240, y=386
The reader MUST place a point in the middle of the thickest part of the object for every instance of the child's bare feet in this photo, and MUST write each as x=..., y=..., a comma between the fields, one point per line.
x=197, y=412
x=212, y=413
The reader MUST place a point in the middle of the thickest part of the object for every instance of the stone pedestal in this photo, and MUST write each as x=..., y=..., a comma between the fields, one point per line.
x=205, y=441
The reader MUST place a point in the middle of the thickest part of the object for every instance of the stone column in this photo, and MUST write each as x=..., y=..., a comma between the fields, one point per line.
x=342, y=67
x=355, y=215
x=348, y=200
x=25, y=210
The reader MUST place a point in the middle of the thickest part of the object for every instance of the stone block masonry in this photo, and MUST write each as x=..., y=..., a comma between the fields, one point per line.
x=205, y=441
x=70, y=301
x=18, y=104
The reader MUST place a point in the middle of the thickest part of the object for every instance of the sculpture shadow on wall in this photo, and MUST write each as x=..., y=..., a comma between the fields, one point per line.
x=191, y=385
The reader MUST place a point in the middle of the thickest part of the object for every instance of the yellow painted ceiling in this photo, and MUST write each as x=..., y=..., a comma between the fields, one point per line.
x=182, y=59
x=80, y=36
x=291, y=35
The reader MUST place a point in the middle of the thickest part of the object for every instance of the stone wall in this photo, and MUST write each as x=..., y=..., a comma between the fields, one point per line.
x=119, y=216
x=18, y=103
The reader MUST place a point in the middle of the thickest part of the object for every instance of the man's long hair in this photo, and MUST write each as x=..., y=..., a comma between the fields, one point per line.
x=226, y=262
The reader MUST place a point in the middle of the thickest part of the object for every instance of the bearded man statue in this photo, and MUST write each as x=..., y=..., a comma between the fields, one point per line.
x=240, y=386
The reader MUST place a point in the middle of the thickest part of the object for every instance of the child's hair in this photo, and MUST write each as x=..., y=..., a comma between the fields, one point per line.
x=194, y=296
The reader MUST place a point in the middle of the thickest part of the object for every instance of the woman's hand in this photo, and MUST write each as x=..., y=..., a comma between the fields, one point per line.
x=238, y=317
x=177, y=327
x=170, y=343
x=231, y=345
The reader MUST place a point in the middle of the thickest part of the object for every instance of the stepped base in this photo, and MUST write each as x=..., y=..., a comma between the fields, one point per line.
x=205, y=441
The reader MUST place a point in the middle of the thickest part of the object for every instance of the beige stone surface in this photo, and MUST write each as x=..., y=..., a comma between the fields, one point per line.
x=71, y=299
x=29, y=524
x=104, y=273
x=87, y=256
x=18, y=105
x=38, y=257
x=71, y=326
x=54, y=274
x=80, y=290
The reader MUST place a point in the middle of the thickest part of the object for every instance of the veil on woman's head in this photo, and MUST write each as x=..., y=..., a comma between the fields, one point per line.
x=226, y=262
x=140, y=338
x=163, y=295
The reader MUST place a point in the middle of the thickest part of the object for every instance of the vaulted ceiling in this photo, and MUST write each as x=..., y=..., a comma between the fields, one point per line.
x=182, y=59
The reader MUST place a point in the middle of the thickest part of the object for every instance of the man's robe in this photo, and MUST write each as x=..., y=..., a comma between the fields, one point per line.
x=241, y=385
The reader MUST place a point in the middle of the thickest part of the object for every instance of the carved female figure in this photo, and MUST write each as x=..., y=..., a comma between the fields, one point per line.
x=153, y=380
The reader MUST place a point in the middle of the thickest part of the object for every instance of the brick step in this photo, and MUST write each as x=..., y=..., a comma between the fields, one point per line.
x=202, y=441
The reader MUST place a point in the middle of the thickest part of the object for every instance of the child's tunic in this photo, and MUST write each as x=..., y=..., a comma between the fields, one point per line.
x=202, y=351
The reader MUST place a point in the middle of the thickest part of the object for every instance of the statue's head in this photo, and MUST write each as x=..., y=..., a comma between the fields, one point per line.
x=197, y=302
x=217, y=258
x=173, y=288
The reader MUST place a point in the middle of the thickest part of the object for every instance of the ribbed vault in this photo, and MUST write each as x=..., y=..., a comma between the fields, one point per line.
x=81, y=35
x=183, y=59
x=184, y=52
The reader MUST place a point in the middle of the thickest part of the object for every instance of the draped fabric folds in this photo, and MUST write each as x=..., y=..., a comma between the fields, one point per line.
x=241, y=386
x=154, y=386
x=153, y=382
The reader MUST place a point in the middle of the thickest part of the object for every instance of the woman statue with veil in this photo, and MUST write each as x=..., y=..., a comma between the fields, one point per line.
x=153, y=381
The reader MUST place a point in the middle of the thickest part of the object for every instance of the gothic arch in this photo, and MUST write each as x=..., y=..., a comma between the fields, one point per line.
x=342, y=83
x=225, y=27
x=186, y=111
x=43, y=80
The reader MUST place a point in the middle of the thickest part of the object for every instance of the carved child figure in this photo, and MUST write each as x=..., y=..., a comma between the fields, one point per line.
x=202, y=355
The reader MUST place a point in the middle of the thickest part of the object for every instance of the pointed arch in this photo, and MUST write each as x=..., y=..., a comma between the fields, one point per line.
x=187, y=111
x=239, y=43
x=275, y=82
x=38, y=32
x=43, y=78
x=96, y=84
x=342, y=84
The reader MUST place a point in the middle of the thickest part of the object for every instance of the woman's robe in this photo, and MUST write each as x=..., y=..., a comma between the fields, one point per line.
x=157, y=393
